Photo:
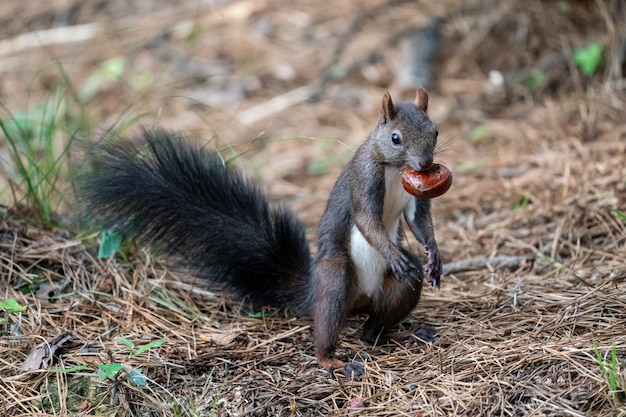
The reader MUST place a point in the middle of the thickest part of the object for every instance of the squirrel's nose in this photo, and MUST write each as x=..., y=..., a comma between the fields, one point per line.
x=424, y=163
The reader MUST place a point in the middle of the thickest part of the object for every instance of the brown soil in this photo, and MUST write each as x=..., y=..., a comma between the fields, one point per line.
x=535, y=251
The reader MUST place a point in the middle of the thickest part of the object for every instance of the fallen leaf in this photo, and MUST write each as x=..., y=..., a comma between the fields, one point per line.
x=41, y=356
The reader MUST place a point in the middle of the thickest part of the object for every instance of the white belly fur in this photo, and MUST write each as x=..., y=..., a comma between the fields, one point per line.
x=370, y=264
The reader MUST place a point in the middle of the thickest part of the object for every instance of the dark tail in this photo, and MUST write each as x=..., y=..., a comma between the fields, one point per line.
x=184, y=203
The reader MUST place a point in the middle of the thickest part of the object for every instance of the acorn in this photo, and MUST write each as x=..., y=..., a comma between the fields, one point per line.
x=427, y=184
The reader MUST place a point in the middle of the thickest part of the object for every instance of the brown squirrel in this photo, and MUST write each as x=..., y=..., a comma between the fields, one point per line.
x=185, y=203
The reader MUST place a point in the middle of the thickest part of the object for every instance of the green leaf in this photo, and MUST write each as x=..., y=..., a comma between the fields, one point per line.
x=12, y=306
x=620, y=214
x=262, y=313
x=588, y=58
x=599, y=358
x=522, y=203
x=536, y=79
x=109, y=71
x=109, y=370
x=126, y=341
x=154, y=343
x=136, y=377
x=613, y=368
x=478, y=132
x=113, y=68
x=110, y=243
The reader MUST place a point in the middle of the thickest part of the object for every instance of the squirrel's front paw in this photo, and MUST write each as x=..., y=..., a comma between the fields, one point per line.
x=433, y=268
x=404, y=269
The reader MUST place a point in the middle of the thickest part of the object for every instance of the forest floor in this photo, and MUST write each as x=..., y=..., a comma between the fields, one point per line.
x=531, y=315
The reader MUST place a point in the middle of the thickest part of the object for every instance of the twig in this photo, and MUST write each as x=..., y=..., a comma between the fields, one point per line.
x=481, y=262
x=186, y=287
x=277, y=104
x=65, y=34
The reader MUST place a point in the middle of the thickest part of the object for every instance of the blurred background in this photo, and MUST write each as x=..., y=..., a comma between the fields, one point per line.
x=295, y=87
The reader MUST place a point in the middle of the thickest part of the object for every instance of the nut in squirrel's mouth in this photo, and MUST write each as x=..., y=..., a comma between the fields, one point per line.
x=430, y=183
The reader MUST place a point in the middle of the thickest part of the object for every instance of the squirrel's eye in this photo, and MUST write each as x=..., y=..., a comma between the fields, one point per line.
x=436, y=133
x=395, y=138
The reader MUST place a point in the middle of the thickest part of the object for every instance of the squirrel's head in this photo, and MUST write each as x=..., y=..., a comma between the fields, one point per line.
x=404, y=134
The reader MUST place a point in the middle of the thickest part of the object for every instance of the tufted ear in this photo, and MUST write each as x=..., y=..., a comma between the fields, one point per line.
x=421, y=99
x=389, y=111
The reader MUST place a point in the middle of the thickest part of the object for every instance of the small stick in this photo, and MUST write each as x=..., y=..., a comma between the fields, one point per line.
x=481, y=262
x=65, y=34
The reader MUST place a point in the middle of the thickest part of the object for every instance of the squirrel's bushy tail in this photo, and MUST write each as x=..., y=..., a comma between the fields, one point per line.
x=183, y=202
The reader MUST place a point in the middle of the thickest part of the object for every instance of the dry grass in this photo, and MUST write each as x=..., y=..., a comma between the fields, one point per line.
x=540, y=185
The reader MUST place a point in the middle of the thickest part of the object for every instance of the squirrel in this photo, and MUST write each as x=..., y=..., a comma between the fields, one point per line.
x=185, y=203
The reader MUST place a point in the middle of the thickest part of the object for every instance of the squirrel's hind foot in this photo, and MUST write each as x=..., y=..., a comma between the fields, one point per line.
x=349, y=370
x=421, y=334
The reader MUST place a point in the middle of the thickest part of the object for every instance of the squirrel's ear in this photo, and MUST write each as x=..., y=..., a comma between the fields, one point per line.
x=389, y=111
x=421, y=99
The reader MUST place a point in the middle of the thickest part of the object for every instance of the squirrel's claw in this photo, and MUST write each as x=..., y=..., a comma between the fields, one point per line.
x=404, y=270
x=433, y=268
